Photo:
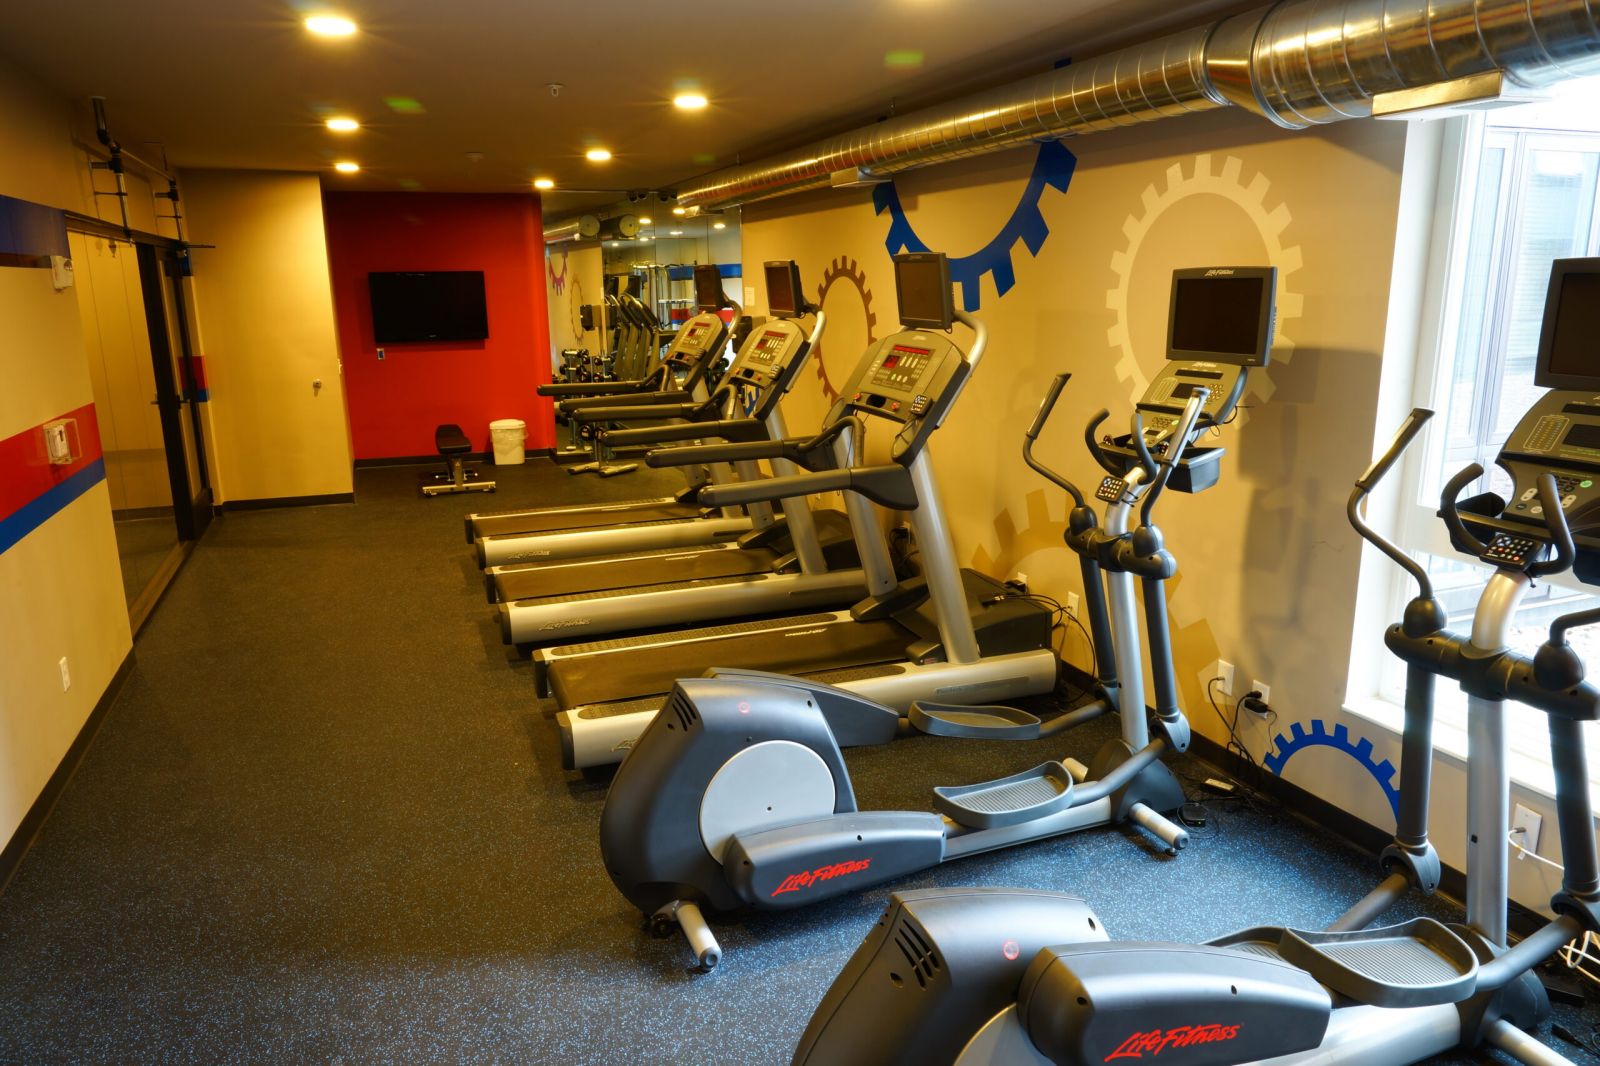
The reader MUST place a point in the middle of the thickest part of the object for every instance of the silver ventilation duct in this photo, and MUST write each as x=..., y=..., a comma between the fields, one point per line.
x=1297, y=63
x=584, y=227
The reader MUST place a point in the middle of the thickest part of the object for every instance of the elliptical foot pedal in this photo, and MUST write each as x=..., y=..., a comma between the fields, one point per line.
x=992, y=722
x=1045, y=789
x=1419, y=963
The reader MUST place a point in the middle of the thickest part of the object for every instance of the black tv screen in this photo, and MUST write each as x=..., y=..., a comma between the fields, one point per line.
x=436, y=305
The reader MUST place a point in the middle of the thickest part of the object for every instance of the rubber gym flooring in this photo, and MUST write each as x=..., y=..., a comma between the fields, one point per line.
x=325, y=821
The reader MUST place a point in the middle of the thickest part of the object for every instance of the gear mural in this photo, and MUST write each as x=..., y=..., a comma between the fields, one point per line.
x=558, y=281
x=1340, y=740
x=1251, y=198
x=847, y=271
x=1052, y=168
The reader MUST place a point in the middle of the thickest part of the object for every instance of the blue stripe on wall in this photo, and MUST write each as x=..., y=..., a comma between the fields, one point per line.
x=31, y=229
x=30, y=516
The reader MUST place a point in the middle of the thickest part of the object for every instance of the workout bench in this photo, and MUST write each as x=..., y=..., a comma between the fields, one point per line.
x=454, y=447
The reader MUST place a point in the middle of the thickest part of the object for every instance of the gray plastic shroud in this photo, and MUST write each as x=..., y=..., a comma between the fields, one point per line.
x=937, y=965
x=650, y=827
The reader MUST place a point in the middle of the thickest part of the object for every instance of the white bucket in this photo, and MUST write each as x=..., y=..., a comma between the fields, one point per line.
x=508, y=435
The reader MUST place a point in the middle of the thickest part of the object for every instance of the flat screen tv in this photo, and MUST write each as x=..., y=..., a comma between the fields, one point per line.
x=435, y=305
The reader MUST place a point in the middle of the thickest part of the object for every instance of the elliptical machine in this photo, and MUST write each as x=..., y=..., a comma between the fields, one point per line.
x=1059, y=992
x=736, y=795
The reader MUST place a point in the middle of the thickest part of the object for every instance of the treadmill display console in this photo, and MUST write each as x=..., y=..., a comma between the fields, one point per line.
x=767, y=355
x=768, y=347
x=694, y=338
x=901, y=366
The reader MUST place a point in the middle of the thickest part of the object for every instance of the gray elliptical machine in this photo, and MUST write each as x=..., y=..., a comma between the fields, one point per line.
x=1058, y=991
x=736, y=796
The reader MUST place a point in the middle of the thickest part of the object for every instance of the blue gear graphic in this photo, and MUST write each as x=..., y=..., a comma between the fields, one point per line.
x=1053, y=168
x=1319, y=737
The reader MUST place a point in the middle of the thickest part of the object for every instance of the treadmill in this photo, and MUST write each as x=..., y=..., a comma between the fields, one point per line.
x=500, y=536
x=951, y=635
x=808, y=561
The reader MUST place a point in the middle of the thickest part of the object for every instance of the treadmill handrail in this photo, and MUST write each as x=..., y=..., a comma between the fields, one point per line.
x=795, y=449
x=876, y=483
x=731, y=429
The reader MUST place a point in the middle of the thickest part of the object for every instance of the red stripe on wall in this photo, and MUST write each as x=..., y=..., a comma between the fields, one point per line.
x=25, y=471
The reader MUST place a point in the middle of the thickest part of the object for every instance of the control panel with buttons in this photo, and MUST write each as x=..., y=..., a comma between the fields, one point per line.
x=1111, y=490
x=1512, y=552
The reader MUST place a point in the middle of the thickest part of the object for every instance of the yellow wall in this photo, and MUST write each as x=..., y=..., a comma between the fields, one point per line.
x=1268, y=564
x=60, y=586
x=572, y=277
x=264, y=317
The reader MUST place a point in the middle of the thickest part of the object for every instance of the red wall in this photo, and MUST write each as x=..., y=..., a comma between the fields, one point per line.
x=396, y=402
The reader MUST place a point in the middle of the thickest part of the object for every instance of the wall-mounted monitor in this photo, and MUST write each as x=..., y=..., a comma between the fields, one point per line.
x=784, y=295
x=708, y=294
x=922, y=286
x=436, y=305
x=1222, y=315
x=1569, y=340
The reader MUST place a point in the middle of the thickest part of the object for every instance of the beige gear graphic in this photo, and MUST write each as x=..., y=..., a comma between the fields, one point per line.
x=1270, y=223
x=842, y=269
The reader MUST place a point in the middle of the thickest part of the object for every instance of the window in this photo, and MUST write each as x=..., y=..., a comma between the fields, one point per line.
x=1524, y=189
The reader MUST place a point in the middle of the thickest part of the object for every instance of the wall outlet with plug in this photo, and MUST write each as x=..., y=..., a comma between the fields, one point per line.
x=1262, y=689
x=1072, y=604
x=1525, y=824
x=1222, y=673
x=66, y=675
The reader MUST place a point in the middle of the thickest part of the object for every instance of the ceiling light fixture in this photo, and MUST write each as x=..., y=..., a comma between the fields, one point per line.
x=597, y=155
x=689, y=101
x=543, y=183
x=680, y=210
x=343, y=125
x=346, y=167
x=645, y=220
x=330, y=26
x=676, y=232
x=719, y=225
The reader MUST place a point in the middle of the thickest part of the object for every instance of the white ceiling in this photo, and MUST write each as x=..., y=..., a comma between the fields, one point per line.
x=239, y=83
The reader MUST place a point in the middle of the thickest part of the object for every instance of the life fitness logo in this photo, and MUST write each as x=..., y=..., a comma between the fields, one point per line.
x=1158, y=1040
x=807, y=878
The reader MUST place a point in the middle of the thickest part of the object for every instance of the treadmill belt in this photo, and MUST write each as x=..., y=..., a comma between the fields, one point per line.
x=537, y=522
x=633, y=574
x=650, y=670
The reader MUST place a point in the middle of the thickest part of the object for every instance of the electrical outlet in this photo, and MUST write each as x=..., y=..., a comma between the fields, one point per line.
x=1263, y=688
x=1223, y=670
x=1020, y=578
x=66, y=675
x=380, y=355
x=1528, y=821
x=1072, y=604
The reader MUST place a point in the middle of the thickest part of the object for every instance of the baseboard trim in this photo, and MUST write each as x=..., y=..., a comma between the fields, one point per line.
x=16, y=849
x=436, y=459
x=267, y=503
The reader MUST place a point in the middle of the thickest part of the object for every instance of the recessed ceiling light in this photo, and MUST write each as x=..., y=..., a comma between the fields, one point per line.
x=346, y=167
x=689, y=101
x=597, y=155
x=330, y=25
x=343, y=125
x=645, y=220
x=680, y=210
x=719, y=225
x=543, y=183
x=616, y=244
x=645, y=240
x=676, y=232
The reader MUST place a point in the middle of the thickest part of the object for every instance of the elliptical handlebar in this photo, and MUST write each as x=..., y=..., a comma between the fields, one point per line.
x=1094, y=446
x=1459, y=534
x=1413, y=425
x=1136, y=439
x=1050, y=397
x=1555, y=520
x=1187, y=423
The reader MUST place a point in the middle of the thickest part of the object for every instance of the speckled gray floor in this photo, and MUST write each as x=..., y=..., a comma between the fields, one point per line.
x=326, y=821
